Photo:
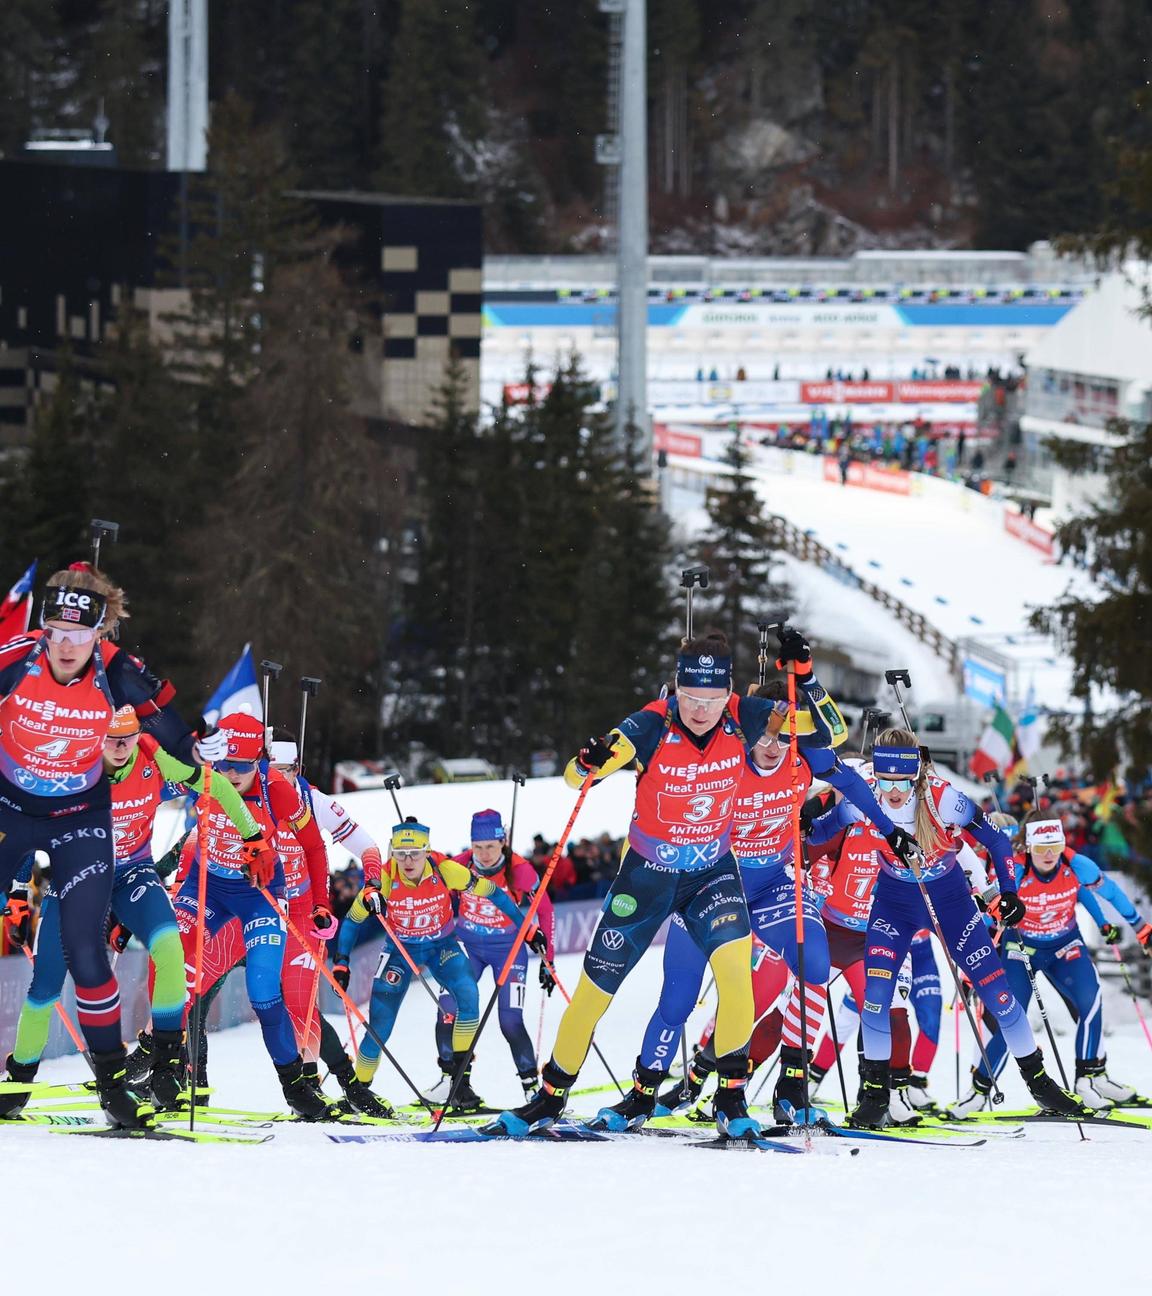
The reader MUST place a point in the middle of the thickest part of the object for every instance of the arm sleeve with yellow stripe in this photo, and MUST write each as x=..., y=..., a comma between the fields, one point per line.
x=623, y=751
x=458, y=877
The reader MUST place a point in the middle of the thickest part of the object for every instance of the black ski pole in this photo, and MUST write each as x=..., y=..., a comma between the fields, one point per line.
x=690, y=579
x=269, y=671
x=99, y=531
x=309, y=687
x=595, y=1047
x=392, y=782
x=839, y=1060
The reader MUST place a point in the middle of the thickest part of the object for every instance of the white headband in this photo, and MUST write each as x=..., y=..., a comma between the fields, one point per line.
x=282, y=753
x=1044, y=832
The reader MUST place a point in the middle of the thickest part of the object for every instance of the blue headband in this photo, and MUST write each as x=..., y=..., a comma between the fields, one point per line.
x=898, y=762
x=487, y=826
x=703, y=670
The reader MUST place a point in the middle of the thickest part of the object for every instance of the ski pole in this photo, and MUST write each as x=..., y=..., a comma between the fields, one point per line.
x=309, y=686
x=540, y=1024
x=1132, y=993
x=768, y=1074
x=203, y=801
x=348, y=1003
x=596, y=1047
x=269, y=670
x=100, y=530
x=399, y=944
x=525, y=926
x=707, y=989
x=1023, y=956
x=798, y=879
x=839, y=1060
x=76, y=1037
x=518, y=781
x=956, y=1032
x=690, y=578
x=392, y=782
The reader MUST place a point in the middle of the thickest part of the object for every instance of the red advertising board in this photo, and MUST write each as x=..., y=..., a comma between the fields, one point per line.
x=894, y=481
x=522, y=394
x=1016, y=524
x=677, y=443
x=885, y=393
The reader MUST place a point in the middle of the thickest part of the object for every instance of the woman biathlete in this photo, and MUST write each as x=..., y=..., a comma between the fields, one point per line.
x=937, y=813
x=414, y=892
x=142, y=775
x=487, y=936
x=770, y=793
x=59, y=689
x=690, y=751
x=235, y=890
x=1051, y=880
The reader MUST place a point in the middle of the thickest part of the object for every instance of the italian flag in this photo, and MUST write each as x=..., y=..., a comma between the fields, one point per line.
x=996, y=750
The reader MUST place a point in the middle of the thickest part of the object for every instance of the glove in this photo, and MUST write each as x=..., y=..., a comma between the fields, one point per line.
x=595, y=754
x=1011, y=908
x=19, y=914
x=1111, y=933
x=1144, y=935
x=324, y=924
x=904, y=846
x=259, y=860
x=211, y=745
x=794, y=648
x=547, y=980
x=341, y=973
x=118, y=935
x=372, y=900
x=538, y=943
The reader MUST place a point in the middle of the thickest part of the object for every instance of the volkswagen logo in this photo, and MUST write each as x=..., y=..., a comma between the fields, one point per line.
x=613, y=939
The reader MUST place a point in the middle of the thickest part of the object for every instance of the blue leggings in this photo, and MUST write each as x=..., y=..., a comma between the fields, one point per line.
x=488, y=952
x=772, y=903
x=263, y=929
x=141, y=903
x=927, y=1001
x=898, y=913
x=447, y=962
x=1069, y=967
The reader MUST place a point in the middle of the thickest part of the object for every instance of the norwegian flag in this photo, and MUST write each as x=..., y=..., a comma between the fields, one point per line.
x=16, y=609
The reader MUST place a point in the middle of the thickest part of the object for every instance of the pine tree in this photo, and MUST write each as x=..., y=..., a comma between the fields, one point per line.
x=433, y=115
x=290, y=536
x=738, y=549
x=46, y=503
x=27, y=29
x=144, y=431
x=1102, y=634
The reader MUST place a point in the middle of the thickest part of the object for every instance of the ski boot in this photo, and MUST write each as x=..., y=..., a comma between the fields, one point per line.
x=790, y=1104
x=359, y=1096
x=304, y=1100
x=872, y=1109
x=466, y=1098
x=978, y=1099
x=312, y=1075
x=19, y=1073
x=918, y=1096
x=900, y=1108
x=438, y=1093
x=635, y=1107
x=686, y=1091
x=529, y=1082
x=123, y=1107
x=543, y=1110
x=138, y=1064
x=1096, y=1090
x=730, y=1105
x=169, y=1069
x=1047, y=1093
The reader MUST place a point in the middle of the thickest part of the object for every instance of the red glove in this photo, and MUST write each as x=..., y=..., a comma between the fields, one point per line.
x=1144, y=935
x=324, y=924
x=259, y=860
x=118, y=936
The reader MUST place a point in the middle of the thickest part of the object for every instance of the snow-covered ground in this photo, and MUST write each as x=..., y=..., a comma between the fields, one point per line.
x=303, y=1213
x=942, y=551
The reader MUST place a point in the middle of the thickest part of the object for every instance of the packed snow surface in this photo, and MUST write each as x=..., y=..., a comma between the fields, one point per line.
x=305, y=1214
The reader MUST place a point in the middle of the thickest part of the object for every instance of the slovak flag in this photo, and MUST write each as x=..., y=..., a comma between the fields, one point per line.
x=16, y=609
x=238, y=690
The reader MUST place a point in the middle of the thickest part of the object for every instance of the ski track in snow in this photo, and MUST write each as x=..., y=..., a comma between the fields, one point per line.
x=303, y=1211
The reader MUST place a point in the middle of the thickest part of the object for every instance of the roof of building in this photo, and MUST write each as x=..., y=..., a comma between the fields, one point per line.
x=1105, y=335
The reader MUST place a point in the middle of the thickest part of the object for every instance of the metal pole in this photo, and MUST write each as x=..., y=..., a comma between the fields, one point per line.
x=632, y=253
